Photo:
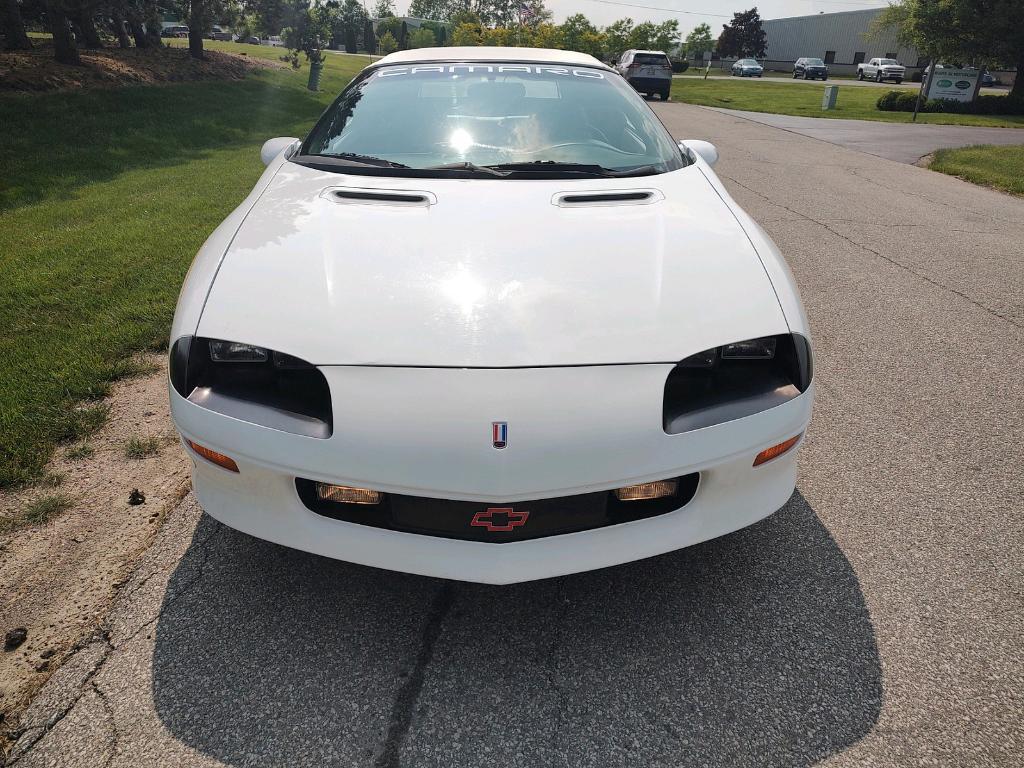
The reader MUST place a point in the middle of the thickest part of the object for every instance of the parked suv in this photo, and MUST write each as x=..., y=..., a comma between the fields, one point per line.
x=810, y=69
x=219, y=33
x=649, y=72
x=881, y=69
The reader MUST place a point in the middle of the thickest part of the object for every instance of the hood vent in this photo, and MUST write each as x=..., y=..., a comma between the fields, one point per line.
x=369, y=196
x=607, y=197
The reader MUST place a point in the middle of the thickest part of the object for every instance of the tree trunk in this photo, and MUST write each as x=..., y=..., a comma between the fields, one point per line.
x=195, y=42
x=1017, y=92
x=90, y=37
x=117, y=26
x=16, y=39
x=138, y=33
x=64, y=47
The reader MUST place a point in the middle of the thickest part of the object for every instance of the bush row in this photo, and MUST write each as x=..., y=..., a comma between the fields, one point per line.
x=903, y=101
x=680, y=65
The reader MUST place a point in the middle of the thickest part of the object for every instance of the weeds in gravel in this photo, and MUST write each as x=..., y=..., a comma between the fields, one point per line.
x=142, y=447
x=37, y=512
x=80, y=451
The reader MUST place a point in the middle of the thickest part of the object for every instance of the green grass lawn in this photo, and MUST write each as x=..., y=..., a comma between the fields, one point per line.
x=855, y=102
x=104, y=199
x=998, y=167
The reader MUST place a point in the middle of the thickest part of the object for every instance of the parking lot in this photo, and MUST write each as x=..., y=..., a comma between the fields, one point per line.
x=875, y=620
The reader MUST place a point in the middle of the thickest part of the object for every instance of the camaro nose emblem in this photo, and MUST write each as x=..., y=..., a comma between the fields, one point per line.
x=499, y=519
x=499, y=434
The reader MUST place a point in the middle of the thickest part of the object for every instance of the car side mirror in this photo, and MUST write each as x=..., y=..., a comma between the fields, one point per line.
x=703, y=149
x=274, y=147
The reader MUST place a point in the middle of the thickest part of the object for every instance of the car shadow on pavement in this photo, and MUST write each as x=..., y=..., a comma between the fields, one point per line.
x=753, y=649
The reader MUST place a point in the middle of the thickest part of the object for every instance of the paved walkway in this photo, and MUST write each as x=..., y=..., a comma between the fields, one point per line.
x=901, y=142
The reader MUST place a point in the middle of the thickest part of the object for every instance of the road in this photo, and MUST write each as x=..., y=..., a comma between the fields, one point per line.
x=875, y=620
x=902, y=142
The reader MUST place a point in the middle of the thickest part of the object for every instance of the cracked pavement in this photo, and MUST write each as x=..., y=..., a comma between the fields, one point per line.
x=875, y=620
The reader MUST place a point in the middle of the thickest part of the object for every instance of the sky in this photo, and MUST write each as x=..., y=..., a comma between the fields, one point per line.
x=690, y=13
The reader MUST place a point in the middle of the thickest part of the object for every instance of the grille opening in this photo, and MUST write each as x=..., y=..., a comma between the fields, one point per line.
x=452, y=519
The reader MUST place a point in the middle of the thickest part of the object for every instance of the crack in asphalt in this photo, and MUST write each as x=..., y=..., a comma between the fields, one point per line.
x=823, y=224
x=103, y=636
x=405, y=701
x=109, y=710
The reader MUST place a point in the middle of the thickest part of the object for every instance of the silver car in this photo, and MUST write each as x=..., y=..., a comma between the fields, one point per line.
x=747, y=68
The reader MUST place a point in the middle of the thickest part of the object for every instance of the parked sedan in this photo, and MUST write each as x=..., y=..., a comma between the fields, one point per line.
x=178, y=30
x=810, y=69
x=488, y=321
x=219, y=33
x=747, y=68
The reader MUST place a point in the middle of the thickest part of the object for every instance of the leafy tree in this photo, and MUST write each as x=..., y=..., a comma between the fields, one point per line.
x=617, y=35
x=15, y=36
x=387, y=43
x=641, y=36
x=403, y=36
x=545, y=36
x=743, y=37
x=665, y=36
x=466, y=34
x=578, y=34
x=442, y=36
x=348, y=23
x=422, y=38
x=369, y=38
x=384, y=8
x=699, y=40
x=980, y=32
x=439, y=10
x=309, y=33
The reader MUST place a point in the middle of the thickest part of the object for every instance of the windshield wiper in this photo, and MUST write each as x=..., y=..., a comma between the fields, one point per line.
x=553, y=166
x=467, y=166
x=357, y=159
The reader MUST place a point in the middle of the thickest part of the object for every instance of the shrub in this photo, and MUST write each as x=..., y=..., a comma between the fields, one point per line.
x=916, y=77
x=680, y=65
x=903, y=101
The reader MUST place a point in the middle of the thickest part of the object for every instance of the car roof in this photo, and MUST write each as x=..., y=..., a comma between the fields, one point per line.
x=490, y=53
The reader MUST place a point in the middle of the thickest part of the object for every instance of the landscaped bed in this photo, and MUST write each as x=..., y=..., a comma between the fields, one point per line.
x=36, y=69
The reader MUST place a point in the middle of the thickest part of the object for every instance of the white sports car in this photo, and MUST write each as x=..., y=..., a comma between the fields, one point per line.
x=488, y=321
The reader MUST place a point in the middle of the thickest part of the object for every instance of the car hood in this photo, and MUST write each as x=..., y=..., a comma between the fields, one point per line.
x=489, y=273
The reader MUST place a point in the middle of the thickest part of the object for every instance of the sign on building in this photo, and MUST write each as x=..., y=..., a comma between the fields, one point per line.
x=956, y=84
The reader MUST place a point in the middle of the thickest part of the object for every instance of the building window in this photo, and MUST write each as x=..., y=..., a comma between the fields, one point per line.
x=830, y=57
x=890, y=55
x=858, y=57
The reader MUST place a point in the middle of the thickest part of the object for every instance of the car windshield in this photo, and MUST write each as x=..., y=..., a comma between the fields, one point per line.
x=747, y=63
x=815, y=62
x=470, y=116
x=888, y=61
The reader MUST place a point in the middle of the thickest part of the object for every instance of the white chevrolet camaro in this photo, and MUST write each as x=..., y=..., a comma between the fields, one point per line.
x=488, y=321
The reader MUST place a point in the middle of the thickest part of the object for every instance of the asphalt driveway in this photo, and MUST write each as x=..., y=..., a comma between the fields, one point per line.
x=902, y=142
x=875, y=620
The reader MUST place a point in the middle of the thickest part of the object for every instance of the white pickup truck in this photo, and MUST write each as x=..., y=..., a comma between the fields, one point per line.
x=881, y=69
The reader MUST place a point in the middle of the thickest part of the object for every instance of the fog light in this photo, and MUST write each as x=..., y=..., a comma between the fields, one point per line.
x=647, y=491
x=226, y=462
x=344, y=494
x=775, y=451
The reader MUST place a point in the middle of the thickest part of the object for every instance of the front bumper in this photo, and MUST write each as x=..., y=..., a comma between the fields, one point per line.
x=426, y=432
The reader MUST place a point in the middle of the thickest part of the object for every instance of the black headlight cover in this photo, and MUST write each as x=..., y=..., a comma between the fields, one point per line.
x=707, y=389
x=282, y=392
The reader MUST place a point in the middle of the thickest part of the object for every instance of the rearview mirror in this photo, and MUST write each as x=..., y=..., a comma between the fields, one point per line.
x=703, y=149
x=274, y=147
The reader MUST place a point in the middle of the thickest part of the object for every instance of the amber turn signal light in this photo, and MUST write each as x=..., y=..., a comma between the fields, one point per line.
x=775, y=451
x=344, y=494
x=226, y=462
x=646, y=491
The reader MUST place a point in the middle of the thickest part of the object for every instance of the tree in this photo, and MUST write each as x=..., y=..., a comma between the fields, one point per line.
x=699, y=40
x=962, y=31
x=403, y=36
x=578, y=34
x=466, y=34
x=369, y=38
x=384, y=8
x=438, y=10
x=422, y=38
x=744, y=37
x=64, y=48
x=617, y=35
x=666, y=36
x=199, y=16
x=387, y=44
x=15, y=36
x=309, y=33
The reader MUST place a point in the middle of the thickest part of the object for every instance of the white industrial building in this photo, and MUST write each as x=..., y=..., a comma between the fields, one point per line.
x=842, y=39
